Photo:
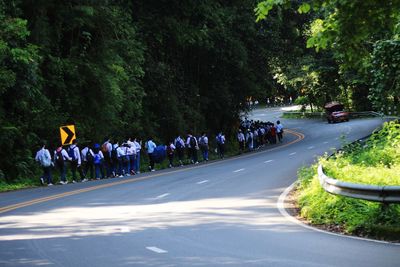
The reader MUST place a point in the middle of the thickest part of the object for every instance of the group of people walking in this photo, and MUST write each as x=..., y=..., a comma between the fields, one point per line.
x=255, y=134
x=114, y=159
x=91, y=162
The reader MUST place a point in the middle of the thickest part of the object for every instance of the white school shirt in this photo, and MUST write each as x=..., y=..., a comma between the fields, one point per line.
x=77, y=153
x=120, y=152
x=138, y=147
x=84, y=152
x=240, y=137
x=279, y=128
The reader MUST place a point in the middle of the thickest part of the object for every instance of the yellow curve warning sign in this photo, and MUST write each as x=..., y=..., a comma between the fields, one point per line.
x=67, y=134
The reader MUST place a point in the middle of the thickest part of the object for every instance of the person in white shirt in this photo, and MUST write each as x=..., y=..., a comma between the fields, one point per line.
x=120, y=156
x=76, y=161
x=203, y=143
x=240, y=138
x=180, y=147
x=193, y=146
x=131, y=152
x=87, y=161
x=44, y=158
x=170, y=153
x=279, y=131
x=150, y=146
x=249, y=139
x=137, y=160
x=220, y=139
x=60, y=157
x=98, y=162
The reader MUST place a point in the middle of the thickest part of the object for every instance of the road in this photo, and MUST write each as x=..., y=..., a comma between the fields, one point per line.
x=222, y=213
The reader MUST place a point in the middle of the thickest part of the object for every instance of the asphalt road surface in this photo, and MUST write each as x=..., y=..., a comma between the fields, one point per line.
x=222, y=213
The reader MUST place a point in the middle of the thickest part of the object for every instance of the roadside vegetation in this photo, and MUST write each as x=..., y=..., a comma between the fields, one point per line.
x=377, y=162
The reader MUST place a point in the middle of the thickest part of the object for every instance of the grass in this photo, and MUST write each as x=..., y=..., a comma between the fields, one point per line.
x=376, y=162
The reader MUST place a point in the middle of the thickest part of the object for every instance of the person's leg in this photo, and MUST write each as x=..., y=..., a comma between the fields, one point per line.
x=132, y=164
x=73, y=170
x=62, y=172
x=137, y=163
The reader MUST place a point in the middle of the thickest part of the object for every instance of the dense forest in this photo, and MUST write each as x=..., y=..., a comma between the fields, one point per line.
x=125, y=68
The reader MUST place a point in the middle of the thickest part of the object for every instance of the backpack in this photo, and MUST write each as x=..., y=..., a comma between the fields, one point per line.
x=192, y=142
x=71, y=154
x=97, y=159
x=114, y=154
x=178, y=144
x=219, y=139
x=104, y=149
x=202, y=142
x=159, y=154
x=89, y=156
x=59, y=158
x=170, y=151
x=45, y=160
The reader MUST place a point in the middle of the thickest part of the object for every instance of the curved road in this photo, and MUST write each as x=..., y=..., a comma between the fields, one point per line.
x=222, y=213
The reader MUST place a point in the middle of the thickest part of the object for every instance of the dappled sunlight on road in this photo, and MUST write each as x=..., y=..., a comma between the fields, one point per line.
x=104, y=219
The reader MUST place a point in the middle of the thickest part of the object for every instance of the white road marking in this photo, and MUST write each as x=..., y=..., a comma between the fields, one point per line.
x=326, y=142
x=162, y=196
x=239, y=170
x=310, y=147
x=157, y=250
x=291, y=154
x=202, y=182
x=124, y=229
x=268, y=161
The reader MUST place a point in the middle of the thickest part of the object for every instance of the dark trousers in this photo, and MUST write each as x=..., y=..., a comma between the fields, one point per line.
x=221, y=150
x=151, y=159
x=74, y=168
x=47, y=175
x=193, y=154
x=88, y=168
x=171, y=159
x=61, y=169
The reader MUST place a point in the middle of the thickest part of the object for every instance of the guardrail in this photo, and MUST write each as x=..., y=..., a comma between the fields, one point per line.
x=383, y=194
x=323, y=114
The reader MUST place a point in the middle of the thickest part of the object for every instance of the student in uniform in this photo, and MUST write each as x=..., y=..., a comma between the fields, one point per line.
x=87, y=162
x=44, y=158
x=60, y=158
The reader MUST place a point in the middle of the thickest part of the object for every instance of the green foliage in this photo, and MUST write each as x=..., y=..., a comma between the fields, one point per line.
x=376, y=163
x=116, y=69
x=357, y=34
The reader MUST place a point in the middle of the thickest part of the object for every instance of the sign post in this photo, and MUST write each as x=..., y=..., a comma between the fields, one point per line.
x=67, y=134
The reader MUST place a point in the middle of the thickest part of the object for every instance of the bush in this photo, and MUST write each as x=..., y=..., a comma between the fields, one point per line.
x=377, y=162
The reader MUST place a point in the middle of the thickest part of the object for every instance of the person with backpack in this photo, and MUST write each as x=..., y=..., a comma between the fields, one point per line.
x=150, y=146
x=192, y=145
x=203, y=143
x=132, y=156
x=114, y=160
x=220, y=139
x=180, y=148
x=76, y=161
x=87, y=160
x=98, y=158
x=44, y=158
x=125, y=159
x=60, y=157
x=106, y=149
x=170, y=153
